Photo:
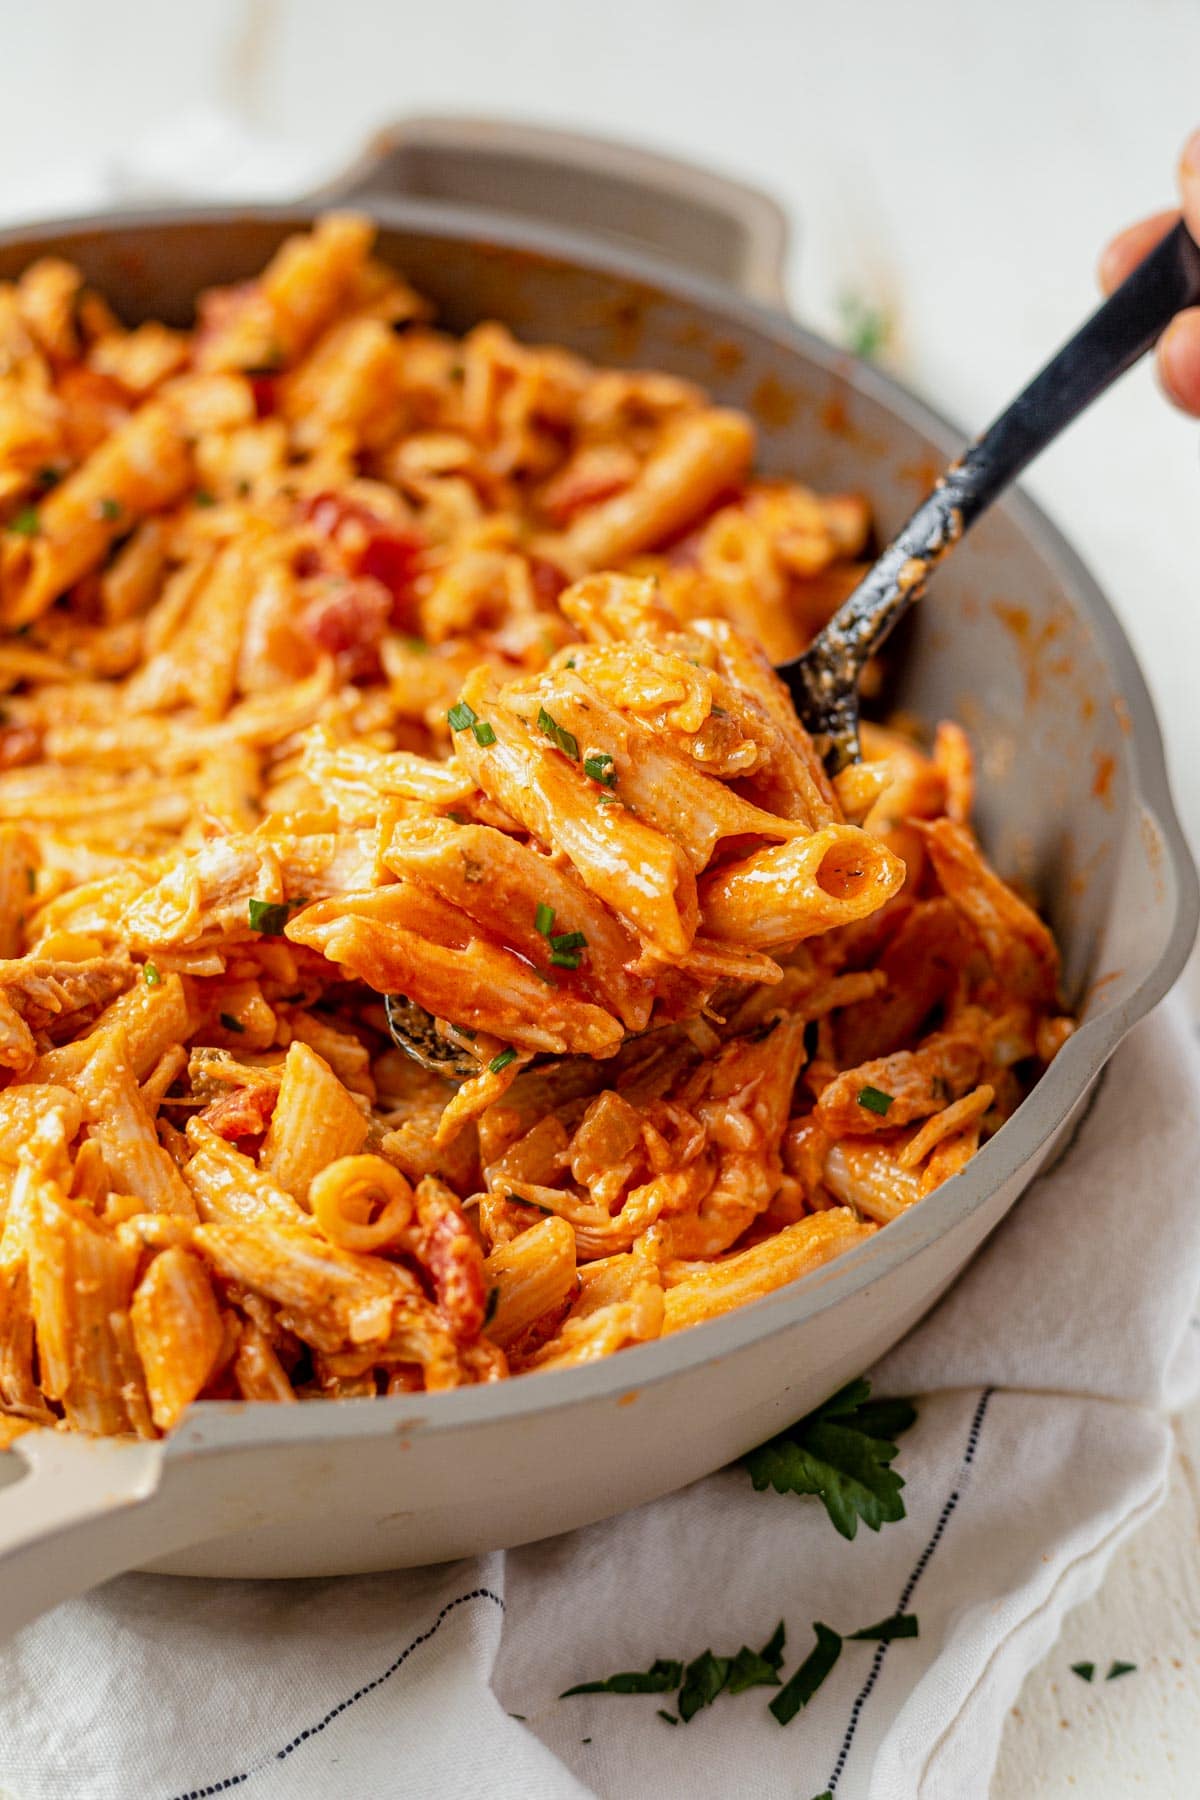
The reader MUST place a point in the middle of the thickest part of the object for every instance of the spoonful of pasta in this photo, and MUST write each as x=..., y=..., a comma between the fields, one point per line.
x=632, y=859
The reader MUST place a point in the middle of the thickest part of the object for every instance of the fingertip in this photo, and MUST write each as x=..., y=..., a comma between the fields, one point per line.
x=1122, y=255
x=1189, y=183
x=1179, y=360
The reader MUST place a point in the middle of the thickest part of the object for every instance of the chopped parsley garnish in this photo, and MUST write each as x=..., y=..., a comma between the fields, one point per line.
x=660, y=1678
x=502, y=1061
x=461, y=716
x=758, y=1668
x=150, y=975
x=842, y=1452
x=570, y=662
x=709, y=1675
x=483, y=733
x=866, y=327
x=268, y=916
x=26, y=523
x=607, y=799
x=566, y=949
x=231, y=1024
x=800, y=1688
x=1119, y=1668
x=896, y=1625
x=109, y=509
x=703, y=1680
x=49, y=475
x=543, y=918
x=1085, y=1671
x=202, y=497
x=874, y=1100
x=599, y=765
x=558, y=734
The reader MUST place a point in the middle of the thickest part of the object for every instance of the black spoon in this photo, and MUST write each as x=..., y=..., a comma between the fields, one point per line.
x=823, y=682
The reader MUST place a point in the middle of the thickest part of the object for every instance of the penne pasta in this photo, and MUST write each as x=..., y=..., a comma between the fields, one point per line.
x=356, y=672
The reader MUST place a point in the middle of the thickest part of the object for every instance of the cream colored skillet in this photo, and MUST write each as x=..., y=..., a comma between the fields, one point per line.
x=669, y=268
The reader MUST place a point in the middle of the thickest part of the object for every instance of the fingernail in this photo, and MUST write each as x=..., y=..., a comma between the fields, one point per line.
x=1189, y=162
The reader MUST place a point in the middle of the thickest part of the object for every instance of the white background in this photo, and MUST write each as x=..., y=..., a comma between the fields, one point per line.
x=960, y=164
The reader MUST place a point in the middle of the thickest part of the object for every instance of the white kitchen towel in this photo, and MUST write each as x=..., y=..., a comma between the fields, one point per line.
x=1041, y=1386
x=1041, y=1382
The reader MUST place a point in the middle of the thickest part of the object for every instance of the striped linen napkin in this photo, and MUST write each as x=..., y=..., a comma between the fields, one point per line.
x=1042, y=1385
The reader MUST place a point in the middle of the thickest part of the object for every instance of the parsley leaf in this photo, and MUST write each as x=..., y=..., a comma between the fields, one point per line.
x=758, y=1668
x=800, y=1688
x=558, y=734
x=866, y=327
x=26, y=523
x=703, y=1680
x=268, y=916
x=202, y=497
x=460, y=716
x=109, y=509
x=841, y=1452
x=874, y=1100
x=1085, y=1671
x=150, y=975
x=502, y=1061
x=1119, y=1668
x=659, y=1678
x=897, y=1625
x=600, y=766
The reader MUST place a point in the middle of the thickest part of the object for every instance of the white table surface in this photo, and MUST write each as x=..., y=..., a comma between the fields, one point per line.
x=960, y=163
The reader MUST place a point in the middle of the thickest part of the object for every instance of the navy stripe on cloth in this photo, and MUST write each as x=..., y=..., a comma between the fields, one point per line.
x=922, y=1563
x=368, y=1687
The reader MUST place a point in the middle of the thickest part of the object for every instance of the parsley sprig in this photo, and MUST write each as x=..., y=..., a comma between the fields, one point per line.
x=842, y=1452
x=873, y=1099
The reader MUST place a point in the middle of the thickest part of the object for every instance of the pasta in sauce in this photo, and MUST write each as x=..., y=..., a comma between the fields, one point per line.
x=343, y=658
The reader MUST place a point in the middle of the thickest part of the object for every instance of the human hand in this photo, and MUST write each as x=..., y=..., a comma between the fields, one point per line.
x=1179, y=346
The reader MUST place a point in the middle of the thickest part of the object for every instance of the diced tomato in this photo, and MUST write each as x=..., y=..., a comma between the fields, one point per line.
x=349, y=621
x=19, y=745
x=388, y=554
x=265, y=389
x=246, y=1112
x=454, y=1263
x=547, y=578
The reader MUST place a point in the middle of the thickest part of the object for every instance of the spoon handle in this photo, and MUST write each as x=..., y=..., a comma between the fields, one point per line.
x=1117, y=334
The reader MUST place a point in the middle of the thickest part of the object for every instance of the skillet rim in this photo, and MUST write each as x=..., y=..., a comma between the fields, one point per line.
x=219, y=1424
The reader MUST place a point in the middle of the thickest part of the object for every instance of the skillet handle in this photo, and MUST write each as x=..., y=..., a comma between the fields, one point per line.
x=72, y=1519
x=688, y=215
